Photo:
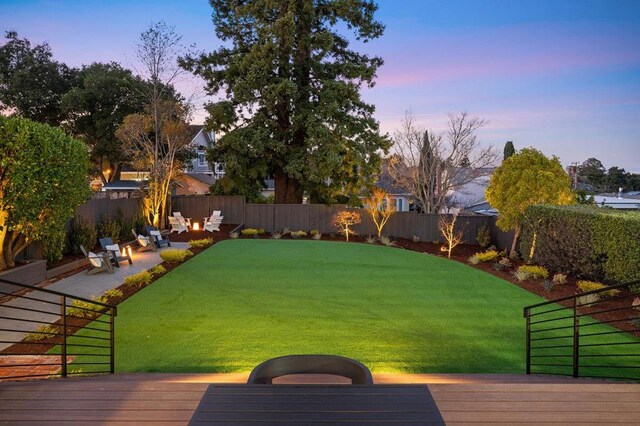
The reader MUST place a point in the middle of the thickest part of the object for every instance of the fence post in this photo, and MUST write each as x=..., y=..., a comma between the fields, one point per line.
x=63, y=349
x=528, y=339
x=576, y=339
x=112, y=322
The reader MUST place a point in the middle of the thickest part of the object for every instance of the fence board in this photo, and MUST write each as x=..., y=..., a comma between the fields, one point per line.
x=259, y=216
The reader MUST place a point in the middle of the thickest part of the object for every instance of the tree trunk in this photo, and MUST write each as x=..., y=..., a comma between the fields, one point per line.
x=514, y=243
x=288, y=189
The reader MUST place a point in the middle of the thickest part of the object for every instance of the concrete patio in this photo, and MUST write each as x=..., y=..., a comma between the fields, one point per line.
x=82, y=285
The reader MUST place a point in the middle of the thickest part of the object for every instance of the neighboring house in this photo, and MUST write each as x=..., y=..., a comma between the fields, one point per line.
x=200, y=141
x=400, y=198
x=193, y=184
x=620, y=200
x=123, y=188
x=468, y=196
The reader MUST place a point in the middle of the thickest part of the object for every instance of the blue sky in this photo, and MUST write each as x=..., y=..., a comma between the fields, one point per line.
x=562, y=76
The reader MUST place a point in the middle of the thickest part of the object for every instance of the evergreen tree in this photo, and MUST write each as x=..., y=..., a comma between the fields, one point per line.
x=509, y=150
x=292, y=87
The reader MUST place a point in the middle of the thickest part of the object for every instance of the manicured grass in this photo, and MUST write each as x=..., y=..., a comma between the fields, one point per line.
x=243, y=301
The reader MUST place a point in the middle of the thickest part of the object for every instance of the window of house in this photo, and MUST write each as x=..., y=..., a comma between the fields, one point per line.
x=202, y=161
x=399, y=204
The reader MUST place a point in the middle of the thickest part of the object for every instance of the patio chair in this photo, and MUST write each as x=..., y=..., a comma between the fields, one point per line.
x=311, y=364
x=186, y=220
x=159, y=240
x=97, y=263
x=177, y=225
x=212, y=223
x=144, y=243
x=114, y=252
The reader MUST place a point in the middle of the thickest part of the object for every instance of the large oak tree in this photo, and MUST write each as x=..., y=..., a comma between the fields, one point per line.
x=291, y=95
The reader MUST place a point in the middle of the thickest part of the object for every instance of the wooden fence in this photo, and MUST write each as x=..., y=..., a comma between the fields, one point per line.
x=274, y=217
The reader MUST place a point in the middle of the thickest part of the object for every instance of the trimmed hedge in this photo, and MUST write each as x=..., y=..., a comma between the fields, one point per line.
x=585, y=241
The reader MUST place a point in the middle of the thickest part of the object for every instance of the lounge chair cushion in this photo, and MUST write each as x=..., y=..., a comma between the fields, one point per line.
x=112, y=247
x=95, y=260
x=155, y=233
x=143, y=241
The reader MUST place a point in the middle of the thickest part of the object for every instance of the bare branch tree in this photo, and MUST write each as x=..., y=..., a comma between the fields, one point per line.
x=430, y=165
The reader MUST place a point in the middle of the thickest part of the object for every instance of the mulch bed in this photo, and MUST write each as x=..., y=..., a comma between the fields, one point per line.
x=461, y=254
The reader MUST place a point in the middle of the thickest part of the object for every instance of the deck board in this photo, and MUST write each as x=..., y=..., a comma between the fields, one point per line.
x=172, y=399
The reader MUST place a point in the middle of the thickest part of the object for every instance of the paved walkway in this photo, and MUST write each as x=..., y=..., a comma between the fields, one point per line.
x=79, y=284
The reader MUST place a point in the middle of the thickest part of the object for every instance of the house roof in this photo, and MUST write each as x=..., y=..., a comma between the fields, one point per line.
x=123, y=185
x=195, y=129
x=202, y=177
x=611, y=200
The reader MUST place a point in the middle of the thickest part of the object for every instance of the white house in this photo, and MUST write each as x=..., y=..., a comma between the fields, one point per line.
x=200, y=141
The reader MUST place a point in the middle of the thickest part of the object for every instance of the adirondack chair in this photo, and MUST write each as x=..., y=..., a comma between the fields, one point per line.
x=144, y=243
x=177, y=225
x=159, y=240
x=97, y=263
x=186, y=220
x=212, y=223
x=114, y=252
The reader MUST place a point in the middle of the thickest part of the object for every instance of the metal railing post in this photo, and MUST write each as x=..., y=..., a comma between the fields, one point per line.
x=528, y=339
x=112, y=359
x=63, y=349
x=576, y=339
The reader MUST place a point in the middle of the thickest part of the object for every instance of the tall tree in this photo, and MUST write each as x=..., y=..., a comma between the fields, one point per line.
x=616, y=178
x=292, y=94
x=525, y=179
x=593, y=172
x=430, y=166
x=104, y=96
x=508, y=151
x=43, y=179
x=159, y=152
x=31, y=82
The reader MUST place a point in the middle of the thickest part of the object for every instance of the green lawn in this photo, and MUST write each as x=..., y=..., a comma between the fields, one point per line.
x=243, y=301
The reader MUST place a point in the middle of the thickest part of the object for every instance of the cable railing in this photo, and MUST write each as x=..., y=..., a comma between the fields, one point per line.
x=591, y=334
x=47, y=333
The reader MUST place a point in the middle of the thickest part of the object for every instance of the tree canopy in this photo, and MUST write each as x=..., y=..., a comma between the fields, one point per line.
x=527, y=178
x=31, y=82
x=43, y=179
x=96, y=106
x=291, y=88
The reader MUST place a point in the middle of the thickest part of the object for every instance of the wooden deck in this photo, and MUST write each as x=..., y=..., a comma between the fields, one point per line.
x=170, y=399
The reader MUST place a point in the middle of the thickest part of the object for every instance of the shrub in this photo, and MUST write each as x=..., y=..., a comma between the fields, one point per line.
x=313, y=232
x=43, y=331
x=138, y=280
x=175, y=255
x=386, y=241
x=559, y=279
x=84, y=309
x=285, y=230
x=80, y=233
x=505, y=262
x=636, y=303
x=298, y=234
x=317, y=236
x=548, y=285
x=114, y=292
x=276, y=235
x=249, y=232
x=204, y=242
x=588, y=300
x=158, y=270
x=370, y=240
x=53, y=245
x=584, y=241
x=486, y=256
x=484, y=236
x=110, y=228
x=234, y=235
x=521, y=275
x=415, y=239
x=473, y=260
x=585, y=286
x=535, y=271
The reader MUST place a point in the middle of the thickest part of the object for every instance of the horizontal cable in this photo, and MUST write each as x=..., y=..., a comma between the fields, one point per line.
x=551, y=365
x=552, y=328
x=551, y=319
x=604, y=333
x=552, y=346
x=551, y=310
x=31, y=298
x=608, y=322
x=603, y=312
x=88, y=346
x=609, y=366
x=610, y=344
x=21, y=308
x=550, y=356
x=86, y=373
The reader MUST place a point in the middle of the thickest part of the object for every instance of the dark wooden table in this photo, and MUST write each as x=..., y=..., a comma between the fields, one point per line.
x=317, y=404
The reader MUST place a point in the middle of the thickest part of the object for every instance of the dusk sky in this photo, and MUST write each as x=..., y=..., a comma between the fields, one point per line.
x=562, y=76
